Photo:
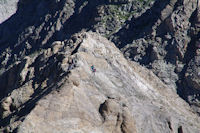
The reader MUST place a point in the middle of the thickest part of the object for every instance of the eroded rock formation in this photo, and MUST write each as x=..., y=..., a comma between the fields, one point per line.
x=42, y=62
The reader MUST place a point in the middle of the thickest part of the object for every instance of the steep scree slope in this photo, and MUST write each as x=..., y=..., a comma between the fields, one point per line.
x=60, y=93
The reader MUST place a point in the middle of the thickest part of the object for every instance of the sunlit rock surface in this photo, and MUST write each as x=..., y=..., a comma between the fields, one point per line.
x=7, y=9
x=120, y=97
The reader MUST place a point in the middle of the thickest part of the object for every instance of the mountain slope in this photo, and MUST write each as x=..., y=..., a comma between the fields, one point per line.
x=162, y=35
x=118, y=97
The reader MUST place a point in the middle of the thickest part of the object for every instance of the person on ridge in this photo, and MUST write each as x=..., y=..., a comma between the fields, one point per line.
x=93, y=69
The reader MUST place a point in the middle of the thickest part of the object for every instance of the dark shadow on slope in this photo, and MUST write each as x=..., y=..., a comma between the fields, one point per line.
x=189, y=55
x=52, y=84
x=193, y=18
x=16, y=31
x=84, y=19
x=55, y=77
x=182, y=88
x=30, y=24
x=81, y=19
x=11, y=79
x=180, y=85
x=13, y=31
x=15, y=25
x=26, y=108
x=141, y=26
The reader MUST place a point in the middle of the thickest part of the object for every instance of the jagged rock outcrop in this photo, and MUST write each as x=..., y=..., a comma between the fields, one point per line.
x=66, y=95
x=164, y=27
x=164, y=39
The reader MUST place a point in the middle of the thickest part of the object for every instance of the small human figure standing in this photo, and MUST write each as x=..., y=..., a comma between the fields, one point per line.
x=93, y=69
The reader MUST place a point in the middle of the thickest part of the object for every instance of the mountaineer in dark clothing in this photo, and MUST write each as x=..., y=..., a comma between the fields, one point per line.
x=93, y=69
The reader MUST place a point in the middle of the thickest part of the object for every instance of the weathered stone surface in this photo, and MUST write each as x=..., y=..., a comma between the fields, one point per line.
x=120, y=97
x=117, y=119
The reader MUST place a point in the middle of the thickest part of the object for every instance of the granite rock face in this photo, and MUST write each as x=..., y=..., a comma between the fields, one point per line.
x=66, y=96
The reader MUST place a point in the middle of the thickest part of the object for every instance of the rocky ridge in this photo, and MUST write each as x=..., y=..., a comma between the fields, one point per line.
x=118, y=97
x=161, y=35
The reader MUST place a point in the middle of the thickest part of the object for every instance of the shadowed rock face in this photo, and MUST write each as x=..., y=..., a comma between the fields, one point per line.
x=37, y=49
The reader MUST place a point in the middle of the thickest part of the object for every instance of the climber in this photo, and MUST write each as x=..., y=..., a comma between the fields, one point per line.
x=93, y=69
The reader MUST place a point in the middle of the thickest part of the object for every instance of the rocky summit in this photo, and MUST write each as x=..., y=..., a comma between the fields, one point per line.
x=100, y=66
x=61, y=93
